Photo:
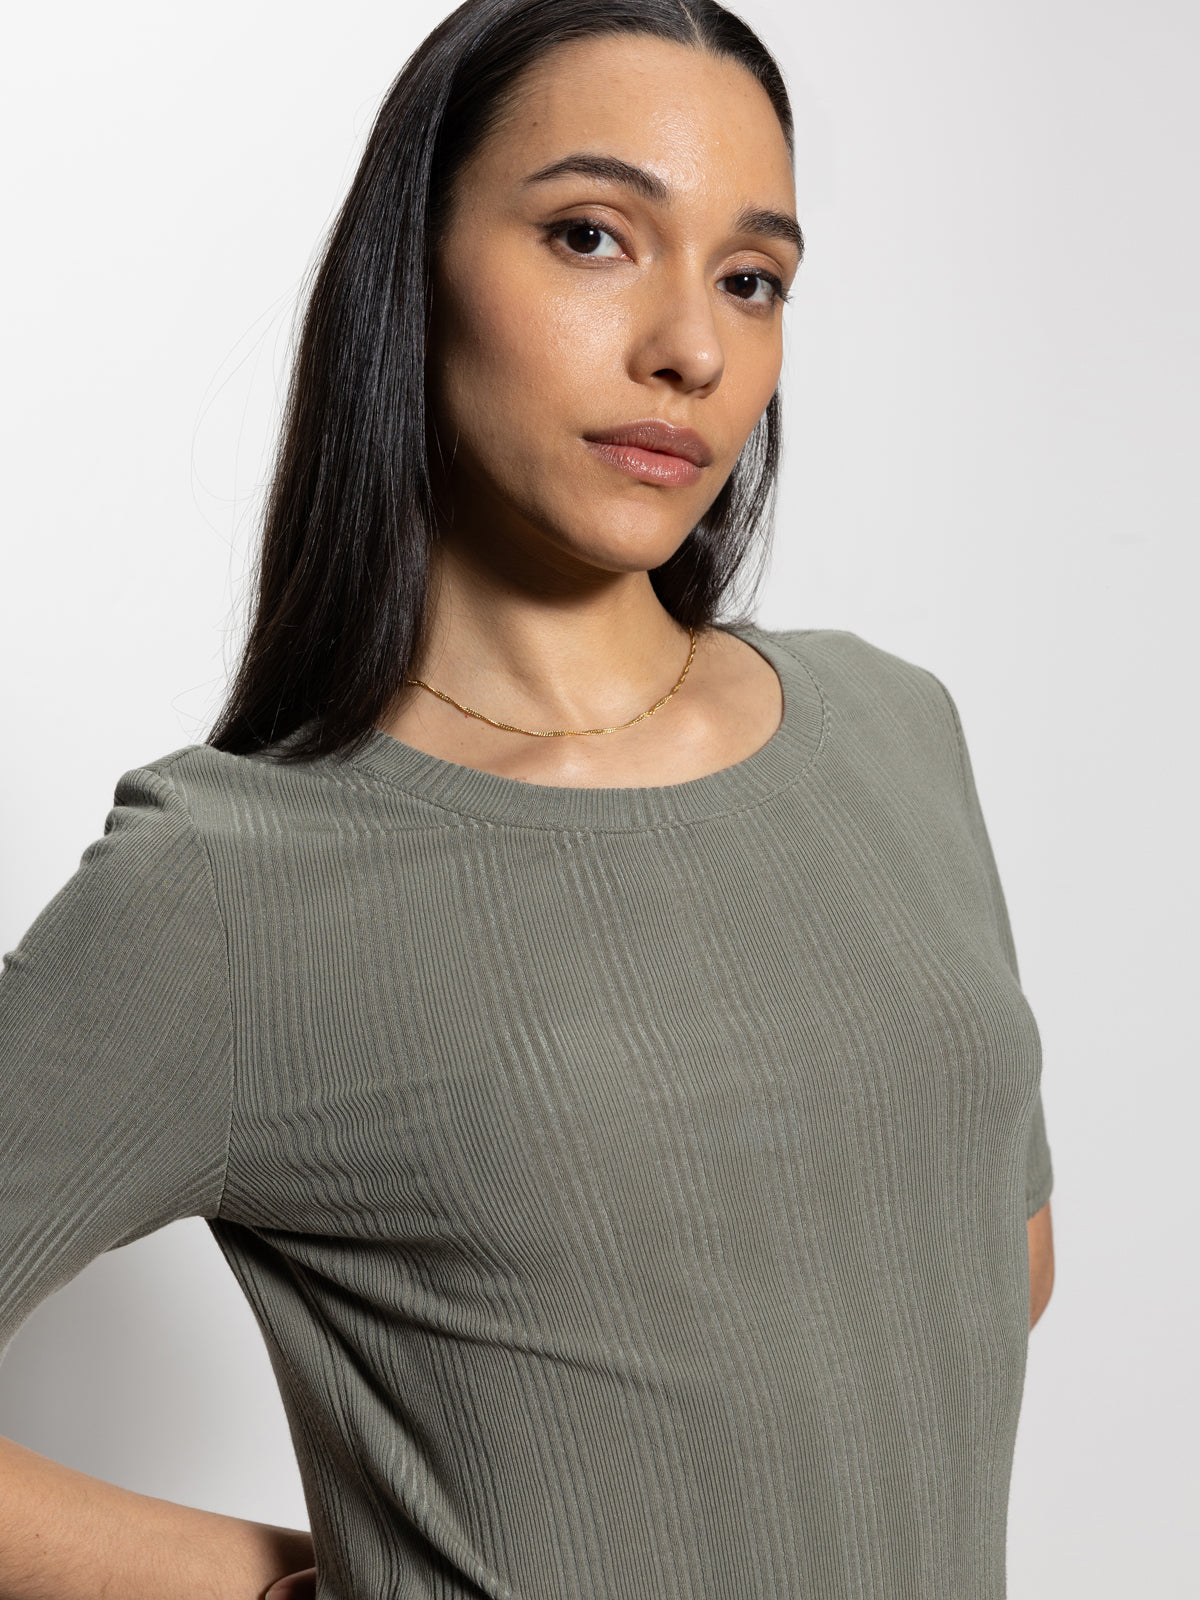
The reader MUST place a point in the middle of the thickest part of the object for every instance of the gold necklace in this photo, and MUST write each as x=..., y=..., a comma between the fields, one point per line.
x=562, y=733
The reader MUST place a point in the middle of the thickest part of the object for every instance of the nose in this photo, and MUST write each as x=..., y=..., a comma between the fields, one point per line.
x=676, y=338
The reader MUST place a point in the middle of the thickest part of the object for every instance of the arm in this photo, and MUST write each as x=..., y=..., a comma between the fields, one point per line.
x=71, y=1537
x=1039, y=1174
x=1041, y=1261
x=116, y=1076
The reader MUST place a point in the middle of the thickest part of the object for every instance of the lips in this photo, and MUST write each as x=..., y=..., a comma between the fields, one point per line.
x=653, y=452
x=660, y=438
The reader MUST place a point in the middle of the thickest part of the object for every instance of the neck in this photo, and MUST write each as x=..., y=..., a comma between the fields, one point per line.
x=565, y=656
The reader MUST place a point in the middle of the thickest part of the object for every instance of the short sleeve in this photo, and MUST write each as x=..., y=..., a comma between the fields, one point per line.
x=1039, y=1173
x=115, y=1051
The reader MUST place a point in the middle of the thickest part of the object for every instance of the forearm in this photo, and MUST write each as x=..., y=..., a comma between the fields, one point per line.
x=67, y=1536
x=1040, y=1236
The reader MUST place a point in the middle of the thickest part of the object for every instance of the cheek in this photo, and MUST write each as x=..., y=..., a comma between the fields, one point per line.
x=517, y=360
x=753, y=365
x=766, y=382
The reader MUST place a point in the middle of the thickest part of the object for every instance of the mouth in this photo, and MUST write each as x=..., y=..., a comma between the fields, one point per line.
x=653, y=451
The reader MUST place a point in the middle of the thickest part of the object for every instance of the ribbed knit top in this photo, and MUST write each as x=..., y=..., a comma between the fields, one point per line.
x=630, y=1184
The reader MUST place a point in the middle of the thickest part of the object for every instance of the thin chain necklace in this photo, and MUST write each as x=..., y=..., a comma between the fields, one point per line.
x=562, y=733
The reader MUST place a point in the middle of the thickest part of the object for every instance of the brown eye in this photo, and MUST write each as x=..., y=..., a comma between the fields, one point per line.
x=743, y=284
x=583, y=238
x=761, y=289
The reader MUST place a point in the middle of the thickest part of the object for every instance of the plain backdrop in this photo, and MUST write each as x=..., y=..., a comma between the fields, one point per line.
x=990, y=386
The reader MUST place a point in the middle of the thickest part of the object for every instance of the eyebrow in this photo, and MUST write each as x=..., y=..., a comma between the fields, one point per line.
x=753, y=219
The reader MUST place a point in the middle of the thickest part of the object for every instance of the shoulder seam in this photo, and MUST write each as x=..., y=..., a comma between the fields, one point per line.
x=158, y=769
x=960, y=743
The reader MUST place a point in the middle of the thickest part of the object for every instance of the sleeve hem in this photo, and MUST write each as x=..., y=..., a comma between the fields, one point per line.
x=1037, y=1196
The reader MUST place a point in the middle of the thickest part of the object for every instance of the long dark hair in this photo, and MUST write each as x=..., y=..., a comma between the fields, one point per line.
x=349, y=522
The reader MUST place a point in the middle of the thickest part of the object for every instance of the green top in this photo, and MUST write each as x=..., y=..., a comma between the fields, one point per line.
x=630, y=1184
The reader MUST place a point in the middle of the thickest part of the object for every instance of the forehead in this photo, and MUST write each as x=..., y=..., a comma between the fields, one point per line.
x=700, y=122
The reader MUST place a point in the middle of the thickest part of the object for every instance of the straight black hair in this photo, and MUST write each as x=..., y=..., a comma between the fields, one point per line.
x=349, y=519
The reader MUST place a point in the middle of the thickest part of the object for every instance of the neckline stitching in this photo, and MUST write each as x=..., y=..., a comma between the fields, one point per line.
x=363, y=764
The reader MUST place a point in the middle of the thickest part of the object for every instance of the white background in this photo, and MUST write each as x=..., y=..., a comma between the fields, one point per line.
x=992, y=374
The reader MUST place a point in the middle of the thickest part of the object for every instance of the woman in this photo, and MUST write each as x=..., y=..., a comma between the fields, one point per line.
x=593, y=1033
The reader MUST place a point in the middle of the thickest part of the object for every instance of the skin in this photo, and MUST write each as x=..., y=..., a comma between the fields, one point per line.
x=1041, y=1261
x=68, y=1536
x=541, y=609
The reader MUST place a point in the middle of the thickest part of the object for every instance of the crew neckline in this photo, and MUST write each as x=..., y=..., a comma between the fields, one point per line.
x=488, y=797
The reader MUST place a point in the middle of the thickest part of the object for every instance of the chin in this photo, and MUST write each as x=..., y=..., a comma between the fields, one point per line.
x=624, y=542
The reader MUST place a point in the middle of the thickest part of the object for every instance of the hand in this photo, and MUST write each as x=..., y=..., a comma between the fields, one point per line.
x=296, y=1586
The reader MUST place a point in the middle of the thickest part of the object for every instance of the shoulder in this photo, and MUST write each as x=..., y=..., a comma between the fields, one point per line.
x=147, y=833
x=176, y=836
x=238, y=813
x=875, y=692
x=892, y=711
x=856, y=665
x=142, y=889
x=152, y=861
x=152, y=827
x=219, y=796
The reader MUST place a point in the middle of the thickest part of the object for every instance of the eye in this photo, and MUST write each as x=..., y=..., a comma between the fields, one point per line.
x=748, y=286
x=583, y=237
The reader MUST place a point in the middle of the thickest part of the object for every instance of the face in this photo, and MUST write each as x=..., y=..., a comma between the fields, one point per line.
x=608, y=304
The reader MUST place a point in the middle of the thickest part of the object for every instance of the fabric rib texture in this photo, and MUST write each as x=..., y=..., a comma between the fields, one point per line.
x=630, y=1184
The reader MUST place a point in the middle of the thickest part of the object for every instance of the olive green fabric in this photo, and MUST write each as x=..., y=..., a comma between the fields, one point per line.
x=630, y=1184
